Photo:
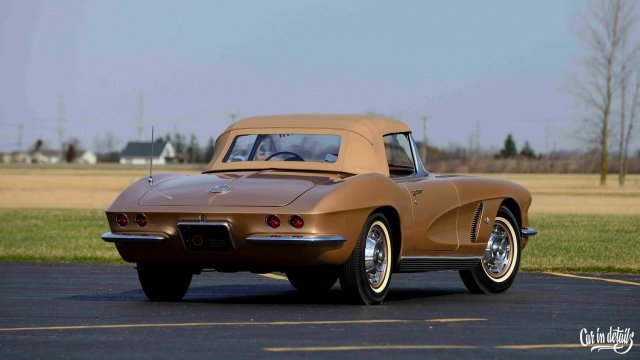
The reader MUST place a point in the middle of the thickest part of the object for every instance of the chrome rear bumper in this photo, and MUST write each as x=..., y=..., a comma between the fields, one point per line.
x=528, y=232
x=312, y=240
x=132, y=238
x=297, y=239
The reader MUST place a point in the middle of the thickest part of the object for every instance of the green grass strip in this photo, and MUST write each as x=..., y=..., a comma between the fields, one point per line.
x=55, y=235
x=584, y=243
x=577, y=243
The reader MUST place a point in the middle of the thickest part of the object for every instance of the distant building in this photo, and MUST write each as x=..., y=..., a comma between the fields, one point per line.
x=138, y=152
x=44, y=157
x=87, y=157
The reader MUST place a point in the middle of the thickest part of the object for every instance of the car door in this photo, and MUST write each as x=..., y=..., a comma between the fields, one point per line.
x=435, y=212
x=434, y=200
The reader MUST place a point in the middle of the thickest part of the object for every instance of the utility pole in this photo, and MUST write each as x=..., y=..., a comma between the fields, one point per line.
x=546, y=138
x=233, y=117
x=140, y=116
x=425, y=119
x=61, y=116
x=20, y=133
x=477, y=147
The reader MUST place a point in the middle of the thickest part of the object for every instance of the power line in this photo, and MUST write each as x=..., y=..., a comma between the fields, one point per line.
x=544, y=120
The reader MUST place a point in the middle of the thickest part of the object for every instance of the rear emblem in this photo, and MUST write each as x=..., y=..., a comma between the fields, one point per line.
x=219, y=189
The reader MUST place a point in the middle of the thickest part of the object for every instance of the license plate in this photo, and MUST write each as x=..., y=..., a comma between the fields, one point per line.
x=206, y=237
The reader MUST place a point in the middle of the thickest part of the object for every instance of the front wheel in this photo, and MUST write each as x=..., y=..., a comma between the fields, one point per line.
x=499, y=265
x=365, y=276
x=164, y=282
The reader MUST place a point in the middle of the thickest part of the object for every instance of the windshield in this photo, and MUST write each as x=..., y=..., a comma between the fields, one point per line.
x=399, y=154
x=284, y=147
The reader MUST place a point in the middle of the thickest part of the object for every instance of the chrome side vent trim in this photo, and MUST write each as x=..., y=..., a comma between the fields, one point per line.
x=475, y=223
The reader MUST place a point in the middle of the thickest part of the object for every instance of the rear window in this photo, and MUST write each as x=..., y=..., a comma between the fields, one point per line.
x=284, y=147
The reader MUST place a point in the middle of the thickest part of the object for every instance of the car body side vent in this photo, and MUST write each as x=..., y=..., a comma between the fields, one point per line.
x=475, y=222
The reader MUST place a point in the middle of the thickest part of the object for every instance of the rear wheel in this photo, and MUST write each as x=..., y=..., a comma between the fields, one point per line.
x=164, y=282
x=365, y=276
x=499, y=265
x=313, y=279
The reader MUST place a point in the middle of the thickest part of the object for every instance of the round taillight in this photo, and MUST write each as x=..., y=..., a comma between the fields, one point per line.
x=296, y=221
x=273, y=221
x=141, y=220
x=122, y=220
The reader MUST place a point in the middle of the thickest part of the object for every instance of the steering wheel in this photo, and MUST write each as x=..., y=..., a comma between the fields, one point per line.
x=295, y=157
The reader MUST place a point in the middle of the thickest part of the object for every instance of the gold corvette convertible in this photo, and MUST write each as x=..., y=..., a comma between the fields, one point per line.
x=320, y=198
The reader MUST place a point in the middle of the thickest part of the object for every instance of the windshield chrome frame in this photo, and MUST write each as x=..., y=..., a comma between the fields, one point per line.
x=417, y=161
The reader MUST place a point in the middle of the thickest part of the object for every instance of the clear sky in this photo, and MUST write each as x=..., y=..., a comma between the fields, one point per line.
x=496, y=66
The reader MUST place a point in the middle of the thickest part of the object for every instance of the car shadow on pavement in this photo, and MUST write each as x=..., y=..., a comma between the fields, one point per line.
x=268, y=295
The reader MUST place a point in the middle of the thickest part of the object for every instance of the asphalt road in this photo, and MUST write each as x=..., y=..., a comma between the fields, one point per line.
x=98, y=311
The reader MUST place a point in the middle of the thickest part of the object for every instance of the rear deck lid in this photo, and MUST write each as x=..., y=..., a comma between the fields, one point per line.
x=264, y=188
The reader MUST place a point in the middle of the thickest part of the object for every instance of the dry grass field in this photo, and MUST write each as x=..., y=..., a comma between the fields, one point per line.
x=58, y=216
x=95, y=188
x=65, y=188
x=579, y=194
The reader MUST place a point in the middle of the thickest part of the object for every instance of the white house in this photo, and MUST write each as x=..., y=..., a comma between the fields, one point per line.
x=138, y=153
x=87, y=157
x=45, y=157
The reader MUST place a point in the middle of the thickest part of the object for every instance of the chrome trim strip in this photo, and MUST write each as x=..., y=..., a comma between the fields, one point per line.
x=296, y=239
x=454, y=258
x=211, y=223
x=436, y=263
x=528, y=232
x=133, y=238
x=417, y=161
x=208, y=223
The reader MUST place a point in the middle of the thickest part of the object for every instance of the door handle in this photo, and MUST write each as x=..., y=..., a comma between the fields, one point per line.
x=416, y=192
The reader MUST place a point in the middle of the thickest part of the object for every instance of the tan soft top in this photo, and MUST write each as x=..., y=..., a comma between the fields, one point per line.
x=362, y=147
x=369, y=126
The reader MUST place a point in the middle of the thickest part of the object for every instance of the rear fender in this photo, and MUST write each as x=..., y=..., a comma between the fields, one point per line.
x=129, y=197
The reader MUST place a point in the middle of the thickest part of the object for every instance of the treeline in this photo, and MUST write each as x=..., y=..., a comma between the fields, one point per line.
x=510, y=159
x=188, y=149
x=451, y=159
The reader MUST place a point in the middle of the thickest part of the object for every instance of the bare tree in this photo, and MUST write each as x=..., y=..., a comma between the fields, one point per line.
x=629, y=61
x=110, y=142
x=606, y=26
x=625, y=133
x=107, y=144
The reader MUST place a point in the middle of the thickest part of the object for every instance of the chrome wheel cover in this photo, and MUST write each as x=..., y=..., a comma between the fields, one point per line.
x=376, y=253
x=498, y=255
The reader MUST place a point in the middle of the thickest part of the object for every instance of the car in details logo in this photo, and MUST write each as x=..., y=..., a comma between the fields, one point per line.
x=618, y=340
